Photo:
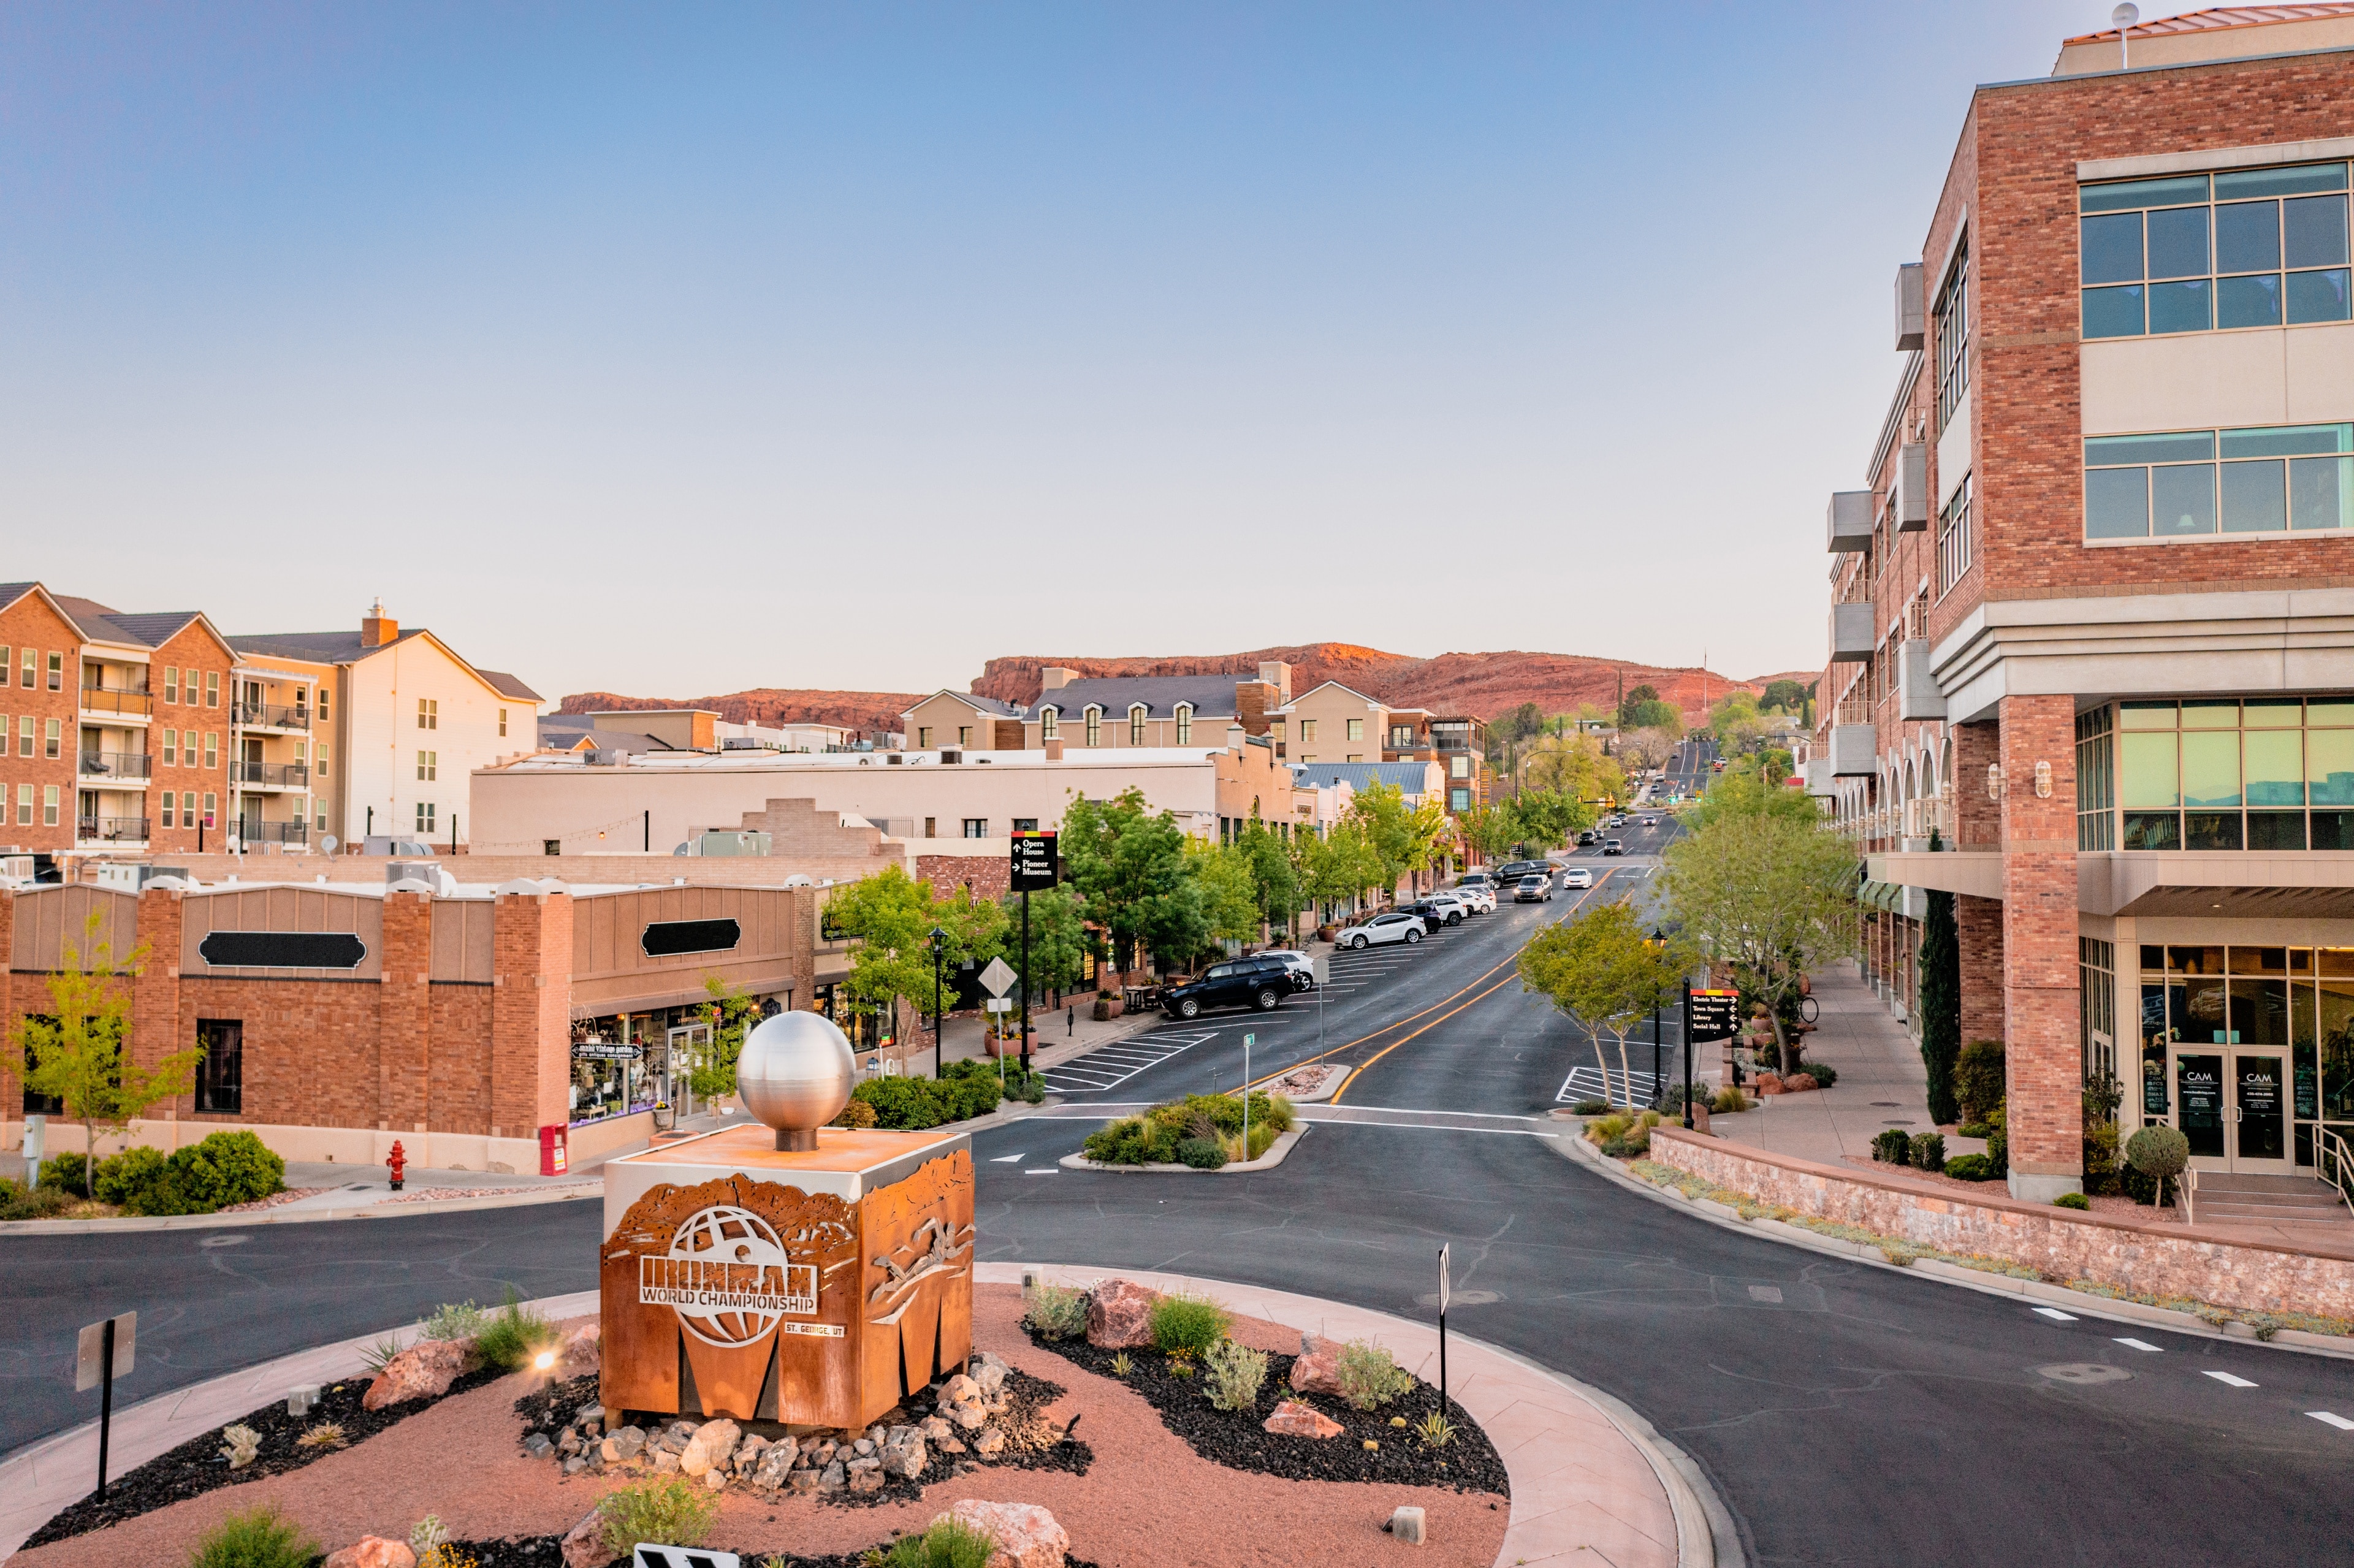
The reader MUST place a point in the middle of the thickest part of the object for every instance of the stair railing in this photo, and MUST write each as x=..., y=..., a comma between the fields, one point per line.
x=2186, y=1187
x=2333, y=1158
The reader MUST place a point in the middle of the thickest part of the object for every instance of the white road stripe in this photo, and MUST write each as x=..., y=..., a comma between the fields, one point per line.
x=2326, y=1419
x=1050, y=1170
x=1005, y=1160
x=2142, y=1345
x=2056, y=1315
x=2224, y=1377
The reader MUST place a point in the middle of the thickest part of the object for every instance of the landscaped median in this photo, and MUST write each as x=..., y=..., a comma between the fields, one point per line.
x=2267, y=1288
x=1200, y=1132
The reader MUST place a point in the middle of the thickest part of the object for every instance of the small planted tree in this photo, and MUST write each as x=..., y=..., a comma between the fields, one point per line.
x=1602, y=970
x=75, y=1054
x=2160, y=1153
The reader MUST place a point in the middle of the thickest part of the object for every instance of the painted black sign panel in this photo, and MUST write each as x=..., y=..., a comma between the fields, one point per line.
x=1711, y=1014
x=282, y=949
x=1037, y=861
x=669, y=938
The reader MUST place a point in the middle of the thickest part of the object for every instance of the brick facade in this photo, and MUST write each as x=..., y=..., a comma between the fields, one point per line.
x=205, y=689
x=31, y=627
x=2042, y=1055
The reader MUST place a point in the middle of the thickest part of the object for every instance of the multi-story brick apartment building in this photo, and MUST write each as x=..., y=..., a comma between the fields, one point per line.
x=2090, y=611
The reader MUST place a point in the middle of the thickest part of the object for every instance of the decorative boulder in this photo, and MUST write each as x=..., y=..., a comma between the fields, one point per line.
x=584, y=1544
x=903, y=1453
x=1293, y=1419
x=1799, y=1082
x=776, y=1464
x=373, y=1551
x=583, y=1353
x=1769, y=1083
x=1318, y=1370
x=1120, y=1315
x=988, y=1369
x=1027, y=1536
x=713, y=1444
x=424, y=1370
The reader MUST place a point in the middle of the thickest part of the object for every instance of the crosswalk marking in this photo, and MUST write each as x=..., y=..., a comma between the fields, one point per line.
x=2327, y=1419
x=2140, y=1344
x=2056, y=1315
x=2224, y=1377
x=1630, y=1088
x=1111, y=1066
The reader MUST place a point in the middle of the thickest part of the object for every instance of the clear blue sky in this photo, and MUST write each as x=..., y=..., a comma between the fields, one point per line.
x=671, y=350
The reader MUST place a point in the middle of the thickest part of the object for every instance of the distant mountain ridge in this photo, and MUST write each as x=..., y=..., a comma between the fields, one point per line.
x=1487, y=684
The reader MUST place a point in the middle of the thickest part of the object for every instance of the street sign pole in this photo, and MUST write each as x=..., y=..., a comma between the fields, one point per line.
x=1026, y=982
x=105, y=1405
x=1445, y=1290
x=1037, y=865
x=104, y=1351
x=1246, y=1083
x=1684, y=1039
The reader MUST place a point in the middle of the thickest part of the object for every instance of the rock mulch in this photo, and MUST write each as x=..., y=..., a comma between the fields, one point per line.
x=198, y=1466
x=1240, y=1440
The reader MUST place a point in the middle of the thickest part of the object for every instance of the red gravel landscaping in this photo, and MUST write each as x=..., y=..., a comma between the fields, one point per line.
x=1148, y=1501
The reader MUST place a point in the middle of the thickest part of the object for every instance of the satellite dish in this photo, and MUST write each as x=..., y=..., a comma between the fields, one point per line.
x=2125, y=15
x=327, y=844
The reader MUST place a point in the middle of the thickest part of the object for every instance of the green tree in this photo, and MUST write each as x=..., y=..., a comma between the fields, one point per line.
x=1787, y=696
x=1941, y=1002
x=731, y=1014
x=1490, y=830
x=1230, y=906
x=76, y=1054
x=1768, y=894
x=1128, y=863
x=1277, y=882
x=1572, y=766
x=1602, y=969
x=1335, y=867
x=891, y=915
x=1742, y=790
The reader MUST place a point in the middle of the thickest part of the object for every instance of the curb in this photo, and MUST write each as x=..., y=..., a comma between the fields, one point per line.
x=268, y=1218
x=2081, y=1302
x=1276, y=1153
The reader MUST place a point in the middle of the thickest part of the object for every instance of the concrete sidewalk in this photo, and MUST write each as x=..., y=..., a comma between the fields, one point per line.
x=1591, y=1480
x=1881, y=1083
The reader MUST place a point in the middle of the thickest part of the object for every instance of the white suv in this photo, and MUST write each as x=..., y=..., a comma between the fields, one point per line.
x=1476, y=894
x=1394, y=926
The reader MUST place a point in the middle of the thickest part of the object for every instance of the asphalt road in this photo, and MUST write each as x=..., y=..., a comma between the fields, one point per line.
x=1847, y=1415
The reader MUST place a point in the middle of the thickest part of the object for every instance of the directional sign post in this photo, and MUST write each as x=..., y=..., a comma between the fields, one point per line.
x=1445, y=1291
x=1708, y=1015
x=105, y=1352
x=994, y=979
x=1246, y=1086
x=1037, y=866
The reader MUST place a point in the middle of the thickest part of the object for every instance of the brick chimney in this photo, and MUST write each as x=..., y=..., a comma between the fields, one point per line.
x=376, y=629
x=1055, y=677
x=1252, y=699
x=1277, y=674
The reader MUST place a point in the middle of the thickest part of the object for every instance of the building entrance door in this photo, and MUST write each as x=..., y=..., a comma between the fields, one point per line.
x=689, y=1046
x=2232, y=1107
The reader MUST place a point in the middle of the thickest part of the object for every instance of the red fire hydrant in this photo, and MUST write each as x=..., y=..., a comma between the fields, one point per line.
x=398, y=1163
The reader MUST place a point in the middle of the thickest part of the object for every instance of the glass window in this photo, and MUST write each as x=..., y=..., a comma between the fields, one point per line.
x=2186, y=306
x=2211, y=769
x=2130, y=193
x=2182, y=500
x=2276, y=767
x=2113, y=312
x=2262, y=246
x=2262, y=713
x=2253, y=301
x=2146, y=777
x=2177, y=243
x=2287, y=181
x=2211, y=830
x=220, y=1073
x=2255, y=497
x=2110, y=248
x=2329, y=766
x=2277, y=829
x=2146, y=715
x=2247, y=236
x=1953, y=325
x=2116, y=504
x=1046, y=719
x=2313, y=231
x=2209, y=713
x=2321, y=493
x=2317, y=296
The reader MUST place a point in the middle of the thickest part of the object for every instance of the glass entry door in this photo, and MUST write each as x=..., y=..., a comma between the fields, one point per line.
x=2260, y=1111
x=2198, y=1106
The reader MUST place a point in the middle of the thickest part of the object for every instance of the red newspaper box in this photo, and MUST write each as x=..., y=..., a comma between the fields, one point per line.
x=551, y=1150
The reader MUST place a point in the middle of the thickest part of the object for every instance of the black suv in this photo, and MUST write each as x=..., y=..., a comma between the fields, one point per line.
x=1511, y=871
x=1259, y=983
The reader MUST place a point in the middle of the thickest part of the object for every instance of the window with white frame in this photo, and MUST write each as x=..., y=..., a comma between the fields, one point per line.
x=49, y=806
x=1184, y=723
x=1046, y=717
x=1356, y=729
x=923, y=737
x=2273, y=481
x=429, y=713
x=212, y=809
x=172, y=683
x=53, y=739
x=1095, y=727
x=428, y=765
x=212, y=688
x=976, y=827
x=424, y=818
x=1953, y=538
x=24, y=805
x=212, y=748
x=1953, y=321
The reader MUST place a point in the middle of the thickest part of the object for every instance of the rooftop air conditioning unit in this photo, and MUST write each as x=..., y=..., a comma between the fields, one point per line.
x=952, y=756
x=386, y=843
x=732, y=844
x=125, y=876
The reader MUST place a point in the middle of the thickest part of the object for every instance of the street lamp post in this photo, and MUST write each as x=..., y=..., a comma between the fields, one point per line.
x=1658, y=938
x=939, y=956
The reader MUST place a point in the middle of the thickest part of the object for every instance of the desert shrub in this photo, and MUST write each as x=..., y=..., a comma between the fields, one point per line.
x=857, y=1113
x=257, y=1537
x=1972, y=1167
x=1125, y=1142
x=1927, y=1150
x=1823, y=1072
x=462, y=1321
x=66, y=1172
x=1187, y=1325
x=118, y=1180
x=1055, y=1311
x=905, y=1104
x=1591, y=1107
x=948, y=1543
x=661, y=1508
x=2071, y=1200
x=1892, y=1147
x=1729, y=1100
x=40, y=1203
x=1369, y=1376
x=226, y=1168
x=1202, y=1153
x=514, y=1336
x=1232, y=1375
x=1979, y=1078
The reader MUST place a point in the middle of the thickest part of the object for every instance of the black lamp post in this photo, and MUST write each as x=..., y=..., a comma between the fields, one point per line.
x=939, y=955
x=1659, y=940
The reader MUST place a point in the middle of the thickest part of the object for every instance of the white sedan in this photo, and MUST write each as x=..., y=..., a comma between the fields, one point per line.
x=1397, y=926
x=1577, y=876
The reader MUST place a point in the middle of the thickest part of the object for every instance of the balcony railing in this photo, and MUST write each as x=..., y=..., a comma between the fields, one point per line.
x=269, y=715
x=111, y=700
x=271, y=775
x=117, y=764
x=1852, y=710
x=254, y=833
x=111, y=830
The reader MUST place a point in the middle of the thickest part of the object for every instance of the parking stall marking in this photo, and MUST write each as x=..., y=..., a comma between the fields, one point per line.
x=2329, y=1419
x=1110, y=1066
x=2229, y=1378
x=1629, y=1090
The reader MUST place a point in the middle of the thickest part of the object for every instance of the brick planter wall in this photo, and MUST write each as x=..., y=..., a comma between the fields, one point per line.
x=2063, y=1244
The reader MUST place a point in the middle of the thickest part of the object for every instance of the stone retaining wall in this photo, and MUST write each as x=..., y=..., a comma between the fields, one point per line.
x=2063, y=1244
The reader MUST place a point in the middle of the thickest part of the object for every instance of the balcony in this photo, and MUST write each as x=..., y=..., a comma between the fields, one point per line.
x=254, y=833
x=1853, y=740
x=270, y=775
x=269, y=715
x=1854, y=632
x=1917, y=692
x=1818, y=777
x=1909, y=503
x=125, y=830
x=131, y=704
x=1849, y=521
x=112, y=765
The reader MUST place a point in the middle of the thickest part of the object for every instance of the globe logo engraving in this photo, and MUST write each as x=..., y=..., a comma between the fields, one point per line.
x=727, y=1276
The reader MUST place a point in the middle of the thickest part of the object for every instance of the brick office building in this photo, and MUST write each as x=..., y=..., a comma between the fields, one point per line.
x=337, y=1017
x=2091, y=610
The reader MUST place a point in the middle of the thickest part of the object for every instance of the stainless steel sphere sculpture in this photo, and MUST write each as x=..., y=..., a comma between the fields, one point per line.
x=795, y=1073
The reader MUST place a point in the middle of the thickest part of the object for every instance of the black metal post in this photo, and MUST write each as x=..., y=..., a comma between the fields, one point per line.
x=940, y=1019
x=1025, y=981
x=105, y=1400
x=647, y=844
x=1442, y=1362
x=1687, y=1042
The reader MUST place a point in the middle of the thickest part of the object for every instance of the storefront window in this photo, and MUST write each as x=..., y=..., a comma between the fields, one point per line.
x=2201, y=1001
x=2266, y=774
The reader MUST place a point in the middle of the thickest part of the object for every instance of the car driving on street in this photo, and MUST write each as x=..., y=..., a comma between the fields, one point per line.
x=1614, y=846
x=1397, y=926
x=1533, y=889
x=1577, y=876
x=1260, y=981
